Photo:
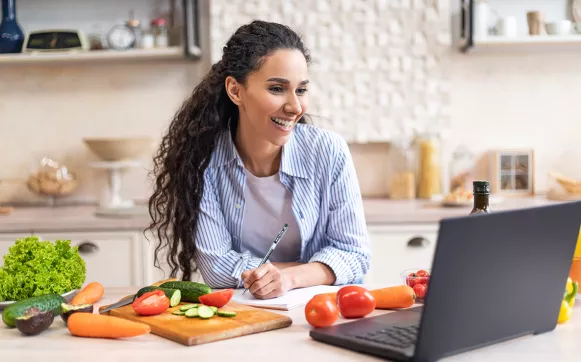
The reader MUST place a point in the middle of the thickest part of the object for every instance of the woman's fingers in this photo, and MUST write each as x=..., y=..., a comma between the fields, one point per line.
x=251, y=276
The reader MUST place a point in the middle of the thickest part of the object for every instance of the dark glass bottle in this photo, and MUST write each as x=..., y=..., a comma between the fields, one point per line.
x=11, y=36
x=481, y=191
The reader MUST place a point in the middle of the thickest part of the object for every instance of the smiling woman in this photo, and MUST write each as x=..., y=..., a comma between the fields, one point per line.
x=239, y=161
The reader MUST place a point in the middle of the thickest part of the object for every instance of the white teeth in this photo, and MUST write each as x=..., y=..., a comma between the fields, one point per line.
x=282, y=122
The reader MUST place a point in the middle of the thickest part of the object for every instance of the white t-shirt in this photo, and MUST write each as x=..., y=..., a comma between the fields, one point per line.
x=267, y=208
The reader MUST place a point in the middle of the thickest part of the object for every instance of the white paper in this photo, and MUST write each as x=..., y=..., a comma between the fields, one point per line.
x=292, y=299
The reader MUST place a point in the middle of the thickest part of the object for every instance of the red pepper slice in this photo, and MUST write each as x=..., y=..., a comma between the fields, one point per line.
x=217, y=299
x=151, y=303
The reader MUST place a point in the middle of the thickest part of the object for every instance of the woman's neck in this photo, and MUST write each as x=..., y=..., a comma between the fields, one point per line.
x=260, y=157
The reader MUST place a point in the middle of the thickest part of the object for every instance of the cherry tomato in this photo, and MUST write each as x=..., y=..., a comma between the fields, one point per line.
x=422, y=273
x=151, y=303
x=420, y=290
x=321, y=311
x=217, y=299
x=411, y=281
x=355, y=301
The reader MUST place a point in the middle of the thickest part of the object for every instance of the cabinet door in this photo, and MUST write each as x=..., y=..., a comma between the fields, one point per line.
x=6, y=241
x=397, y=248
x=112, y=258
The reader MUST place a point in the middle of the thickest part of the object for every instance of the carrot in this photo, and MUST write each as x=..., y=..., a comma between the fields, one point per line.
x=91, y=294
x=104, y=326
x=400, y=296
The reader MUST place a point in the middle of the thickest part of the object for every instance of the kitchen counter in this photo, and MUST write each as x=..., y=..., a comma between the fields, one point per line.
x=287, y=344
x=377, y=211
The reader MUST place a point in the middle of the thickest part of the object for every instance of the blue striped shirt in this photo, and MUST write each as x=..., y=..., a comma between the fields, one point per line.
x=316, y=166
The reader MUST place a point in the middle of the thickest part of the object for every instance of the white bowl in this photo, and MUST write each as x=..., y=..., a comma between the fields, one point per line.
x=119, y=149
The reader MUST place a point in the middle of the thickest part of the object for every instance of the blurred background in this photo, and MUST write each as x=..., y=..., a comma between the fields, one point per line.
x=430, y=95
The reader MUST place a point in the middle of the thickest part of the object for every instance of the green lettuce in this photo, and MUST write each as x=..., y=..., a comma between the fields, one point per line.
x=33, y=267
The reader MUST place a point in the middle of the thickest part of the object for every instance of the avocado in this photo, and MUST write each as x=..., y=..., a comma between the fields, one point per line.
x=68, y=309
x=34, y=321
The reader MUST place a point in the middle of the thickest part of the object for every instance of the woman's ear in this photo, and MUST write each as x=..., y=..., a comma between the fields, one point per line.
x=233, y=89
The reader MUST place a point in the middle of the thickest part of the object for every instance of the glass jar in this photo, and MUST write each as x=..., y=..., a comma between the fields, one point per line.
x=429, y=166
x=461, y=170
x=402, y=177
x=160, y=32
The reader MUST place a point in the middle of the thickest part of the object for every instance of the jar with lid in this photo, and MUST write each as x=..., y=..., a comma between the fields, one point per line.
x=402, y=177
x=461, y=169
x=429, y=165
x=160, y=32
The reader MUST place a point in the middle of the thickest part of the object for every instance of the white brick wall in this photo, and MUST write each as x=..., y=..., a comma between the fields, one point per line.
x=377, y=64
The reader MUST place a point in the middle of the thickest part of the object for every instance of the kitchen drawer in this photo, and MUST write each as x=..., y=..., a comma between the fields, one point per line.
x=397, y=248
x=112, y=259
x=6, y=241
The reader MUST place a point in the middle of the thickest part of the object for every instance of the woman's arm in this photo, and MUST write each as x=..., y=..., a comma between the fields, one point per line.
x=220, y=266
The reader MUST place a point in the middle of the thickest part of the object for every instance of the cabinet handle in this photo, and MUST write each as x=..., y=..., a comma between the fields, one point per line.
x=88, y=247
x=418, y=242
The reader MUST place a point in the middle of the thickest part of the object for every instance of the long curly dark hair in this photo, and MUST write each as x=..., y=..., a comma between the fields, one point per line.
x=185, y=151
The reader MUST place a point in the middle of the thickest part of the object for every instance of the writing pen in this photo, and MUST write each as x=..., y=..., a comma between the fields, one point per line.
x=272, y=247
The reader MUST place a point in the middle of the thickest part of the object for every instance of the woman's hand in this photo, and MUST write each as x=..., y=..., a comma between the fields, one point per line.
x=267, y=281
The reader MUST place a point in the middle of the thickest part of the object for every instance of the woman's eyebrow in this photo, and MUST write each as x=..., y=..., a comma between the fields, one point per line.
x=285, y=81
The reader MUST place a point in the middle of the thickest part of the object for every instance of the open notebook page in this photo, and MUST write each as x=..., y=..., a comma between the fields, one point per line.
x=292, y=299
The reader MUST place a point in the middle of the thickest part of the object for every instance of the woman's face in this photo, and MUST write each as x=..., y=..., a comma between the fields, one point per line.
x=274, y=97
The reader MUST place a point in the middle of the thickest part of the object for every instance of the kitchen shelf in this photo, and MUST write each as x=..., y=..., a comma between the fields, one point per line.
x=538, y=39
x=91, y=55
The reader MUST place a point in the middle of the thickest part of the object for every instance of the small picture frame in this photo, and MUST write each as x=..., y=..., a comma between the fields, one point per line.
x=512, y=172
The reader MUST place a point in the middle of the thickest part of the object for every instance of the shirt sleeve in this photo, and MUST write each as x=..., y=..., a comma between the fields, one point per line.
x=220, y=266
x=347, y=252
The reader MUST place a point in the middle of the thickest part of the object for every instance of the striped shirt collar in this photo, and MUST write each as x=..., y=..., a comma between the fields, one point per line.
x=292, y=163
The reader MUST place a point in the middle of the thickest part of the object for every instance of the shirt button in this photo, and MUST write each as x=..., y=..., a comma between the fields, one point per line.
x=238, y=206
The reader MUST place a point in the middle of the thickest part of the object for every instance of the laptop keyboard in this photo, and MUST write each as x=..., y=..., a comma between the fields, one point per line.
x=393, y=336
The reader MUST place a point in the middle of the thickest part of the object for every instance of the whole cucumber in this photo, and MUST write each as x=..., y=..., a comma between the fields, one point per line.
x=191, y=291
x=44, y=303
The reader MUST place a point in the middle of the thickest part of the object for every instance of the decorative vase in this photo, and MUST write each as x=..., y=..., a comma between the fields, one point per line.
x=11, y=36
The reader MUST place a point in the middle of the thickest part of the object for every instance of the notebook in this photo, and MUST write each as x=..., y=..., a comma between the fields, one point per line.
x=292, y=299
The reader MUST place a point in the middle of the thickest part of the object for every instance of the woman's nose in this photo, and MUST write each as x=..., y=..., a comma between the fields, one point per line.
x=293, y=105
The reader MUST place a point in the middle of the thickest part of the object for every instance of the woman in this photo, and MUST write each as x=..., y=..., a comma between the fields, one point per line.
x=239, y=161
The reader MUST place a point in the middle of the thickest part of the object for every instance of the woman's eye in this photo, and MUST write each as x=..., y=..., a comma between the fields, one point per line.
x=302, y=91
x=276, y=89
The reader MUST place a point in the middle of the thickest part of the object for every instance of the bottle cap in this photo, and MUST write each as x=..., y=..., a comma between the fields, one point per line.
x=481, y=187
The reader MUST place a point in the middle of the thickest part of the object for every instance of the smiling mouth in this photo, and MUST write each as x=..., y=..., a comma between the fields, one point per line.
x=282, y=124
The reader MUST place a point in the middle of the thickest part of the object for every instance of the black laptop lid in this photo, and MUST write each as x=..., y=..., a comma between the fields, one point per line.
x=496, y=277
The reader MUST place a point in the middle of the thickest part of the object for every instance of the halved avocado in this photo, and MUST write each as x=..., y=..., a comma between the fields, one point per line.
x=68, y=309
x=34, y=321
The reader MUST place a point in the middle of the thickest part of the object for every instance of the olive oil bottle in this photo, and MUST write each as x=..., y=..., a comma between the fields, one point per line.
x=481, y=190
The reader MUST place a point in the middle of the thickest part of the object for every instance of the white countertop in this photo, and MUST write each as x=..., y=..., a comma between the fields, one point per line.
x=287, y=344
x=377, y=211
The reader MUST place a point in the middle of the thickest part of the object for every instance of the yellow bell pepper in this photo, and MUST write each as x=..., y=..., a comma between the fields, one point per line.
x=567, y=303
x=569, y=286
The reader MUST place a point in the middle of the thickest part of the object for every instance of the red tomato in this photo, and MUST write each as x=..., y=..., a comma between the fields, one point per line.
x=355, y=301
x=217, y=299
x=420, y=290
x=151, y=303
x=411, y=281
x=422, y=273
x=321, y=311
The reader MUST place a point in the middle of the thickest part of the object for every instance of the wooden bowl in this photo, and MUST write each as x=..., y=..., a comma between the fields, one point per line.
x=119, y=149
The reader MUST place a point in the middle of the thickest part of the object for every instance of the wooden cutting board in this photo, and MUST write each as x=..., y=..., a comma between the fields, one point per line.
x=194, y=331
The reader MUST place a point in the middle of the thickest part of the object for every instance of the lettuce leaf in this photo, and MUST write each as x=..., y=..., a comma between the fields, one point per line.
x=33, y=267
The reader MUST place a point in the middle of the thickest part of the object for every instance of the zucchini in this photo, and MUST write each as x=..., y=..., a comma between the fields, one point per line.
x=226, y=313
x=44, y=303
x=183, y=308
x=205, y=312
x=191, y=291
x=192, y=312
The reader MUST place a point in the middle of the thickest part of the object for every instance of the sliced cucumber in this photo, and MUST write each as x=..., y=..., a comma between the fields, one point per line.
x=178, y=312
x=214, y=309
x=183, y=308
x=191, y=313
x=205, y=312
x=226, y=313
x=175, y=298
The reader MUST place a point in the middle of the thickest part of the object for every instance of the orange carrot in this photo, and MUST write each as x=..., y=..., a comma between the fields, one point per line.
x=400, y=296
x=104, y=326
x=91, y=294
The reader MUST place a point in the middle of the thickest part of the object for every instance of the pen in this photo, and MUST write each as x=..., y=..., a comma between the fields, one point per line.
x=274, y=243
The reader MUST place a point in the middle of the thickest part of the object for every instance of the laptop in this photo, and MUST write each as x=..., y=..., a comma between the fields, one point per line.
x=494, y=277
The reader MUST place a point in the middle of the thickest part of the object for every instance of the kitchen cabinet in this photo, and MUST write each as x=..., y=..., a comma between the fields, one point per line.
x=395, y=248
x=114, y=259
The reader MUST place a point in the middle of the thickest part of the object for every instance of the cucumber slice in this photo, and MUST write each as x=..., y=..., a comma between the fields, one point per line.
x=214, y=309
x=191, y=313
x=205, y=312
x=178, y=312
x=226, y=313
x=184, y=308
x=175, y=298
